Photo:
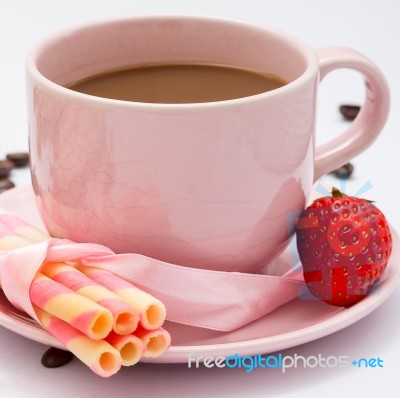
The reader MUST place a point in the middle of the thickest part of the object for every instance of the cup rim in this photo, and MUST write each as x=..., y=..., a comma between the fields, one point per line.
x=33, y=71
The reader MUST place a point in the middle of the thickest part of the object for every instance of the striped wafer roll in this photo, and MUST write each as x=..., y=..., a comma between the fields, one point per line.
x=156, y=342
x=125, y=317
x=83, y=314
x=130, y=347
x=100, y=356
x=152, y=311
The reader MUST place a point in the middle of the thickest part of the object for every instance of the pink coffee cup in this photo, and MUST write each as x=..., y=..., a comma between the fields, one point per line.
x=207, y=185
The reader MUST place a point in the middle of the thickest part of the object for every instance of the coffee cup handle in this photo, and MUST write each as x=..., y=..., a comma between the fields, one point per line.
x=369, y=121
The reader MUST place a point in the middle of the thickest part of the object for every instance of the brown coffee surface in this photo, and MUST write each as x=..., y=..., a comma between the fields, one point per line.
x=178, y=83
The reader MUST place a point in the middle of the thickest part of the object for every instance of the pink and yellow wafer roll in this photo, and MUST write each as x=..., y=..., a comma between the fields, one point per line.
x=152, y=311
x=125, y=317
x=83, y=314
x=156, y=342
x=100, y=356
x=130, y=347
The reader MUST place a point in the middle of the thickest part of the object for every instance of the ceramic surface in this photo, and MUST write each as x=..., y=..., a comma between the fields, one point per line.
x=202, y=185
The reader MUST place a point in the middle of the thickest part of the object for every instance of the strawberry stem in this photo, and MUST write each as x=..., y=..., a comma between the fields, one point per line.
x=336, y=193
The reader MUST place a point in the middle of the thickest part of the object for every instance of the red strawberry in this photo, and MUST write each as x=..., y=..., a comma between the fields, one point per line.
x=344, y=244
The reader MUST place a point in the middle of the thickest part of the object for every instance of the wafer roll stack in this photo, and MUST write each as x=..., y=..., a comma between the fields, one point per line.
x=101, y=318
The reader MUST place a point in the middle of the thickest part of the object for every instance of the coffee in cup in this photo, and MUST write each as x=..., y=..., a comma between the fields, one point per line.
x=178, y=84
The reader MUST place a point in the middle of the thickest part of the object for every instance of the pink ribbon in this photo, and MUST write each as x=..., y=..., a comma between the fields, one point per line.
x=222, y=301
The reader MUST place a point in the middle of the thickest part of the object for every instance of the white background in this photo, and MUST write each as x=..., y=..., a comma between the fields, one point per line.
x=370, y=26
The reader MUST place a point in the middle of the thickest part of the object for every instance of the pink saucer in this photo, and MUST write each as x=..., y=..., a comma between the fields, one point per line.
x=298, y=322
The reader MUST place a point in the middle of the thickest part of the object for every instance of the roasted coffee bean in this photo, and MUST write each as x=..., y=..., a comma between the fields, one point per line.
x=349, y=112
x=54, y=358
x=5, y=167
x=344, y=171
x=20, y=159
x=5, y=185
